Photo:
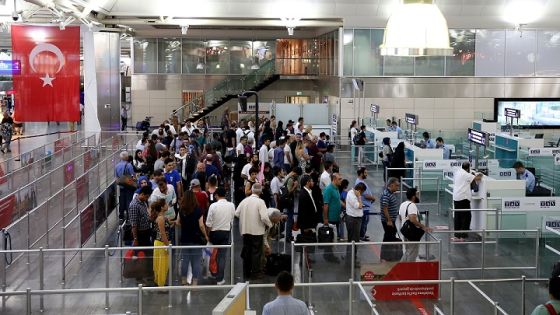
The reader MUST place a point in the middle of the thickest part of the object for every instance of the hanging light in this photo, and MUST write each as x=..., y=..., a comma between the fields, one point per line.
x=521, y=12
x=416, y=28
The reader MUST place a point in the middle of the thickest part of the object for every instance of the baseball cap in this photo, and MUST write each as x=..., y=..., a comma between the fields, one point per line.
x=195, y=182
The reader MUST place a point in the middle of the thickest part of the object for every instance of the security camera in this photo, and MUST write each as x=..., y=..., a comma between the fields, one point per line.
x=15, y=16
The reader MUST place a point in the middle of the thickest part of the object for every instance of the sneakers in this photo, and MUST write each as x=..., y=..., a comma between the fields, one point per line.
x=221, y=282
x=457, y=239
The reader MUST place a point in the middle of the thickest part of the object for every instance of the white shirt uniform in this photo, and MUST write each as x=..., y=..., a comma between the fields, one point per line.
x=325, y=180
x=263, y=154
x=276, y=184
x=462, y=185
x=352, y=205
x=220, y=215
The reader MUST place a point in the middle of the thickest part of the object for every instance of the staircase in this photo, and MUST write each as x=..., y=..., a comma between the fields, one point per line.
x=226, y=90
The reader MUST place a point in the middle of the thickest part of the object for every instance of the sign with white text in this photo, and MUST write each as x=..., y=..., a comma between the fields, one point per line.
x=530, y=203
x=544, y=151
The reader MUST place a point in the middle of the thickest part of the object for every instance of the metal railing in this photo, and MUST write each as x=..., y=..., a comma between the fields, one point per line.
x=483, y=242
x=11, y=165
x=140, y=290
x=61, y=154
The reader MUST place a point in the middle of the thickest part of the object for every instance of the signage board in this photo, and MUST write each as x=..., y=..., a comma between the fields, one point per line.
x=374, y=108
x=544, y=151
x=478, y=137
x=530, y=203
x=450, y=165
x=10, y=67
x=512, y=112
x=502, y=173
x=411, y=119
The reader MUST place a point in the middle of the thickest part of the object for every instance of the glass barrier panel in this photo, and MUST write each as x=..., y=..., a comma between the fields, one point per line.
x=38, y=226
x=67, y=154
x=23, y=273
x=520, y=250
x=69, y=202
x=55, y=210
x=82, y=191
x=43, y=189
x=72, y=236
x=14, y=305
x=94, y=181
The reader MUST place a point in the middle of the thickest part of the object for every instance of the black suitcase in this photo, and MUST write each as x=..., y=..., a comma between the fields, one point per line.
x=391, y=252
x=275, y=263
x=325, y=234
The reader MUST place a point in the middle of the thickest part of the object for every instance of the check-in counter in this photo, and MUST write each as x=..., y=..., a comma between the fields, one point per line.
x=507, y=147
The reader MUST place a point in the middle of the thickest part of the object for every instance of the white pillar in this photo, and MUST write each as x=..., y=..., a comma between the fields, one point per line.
x=91, y=118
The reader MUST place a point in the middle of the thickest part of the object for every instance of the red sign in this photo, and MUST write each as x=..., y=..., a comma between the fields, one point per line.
x=409, y=271
x=7, y=207
x=48, y=88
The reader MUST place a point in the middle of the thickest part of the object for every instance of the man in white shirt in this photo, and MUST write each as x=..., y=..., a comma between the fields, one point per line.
x=288, y=154
x=239, y=132
x=240, y=149
x=409, y=212
x=276, y=184
x=253, y=219
x=219, y=220
x=325, y=179
x=253, y=163
x=188, y=128
x=354, y=212
x=462, y=180
x=263, y=152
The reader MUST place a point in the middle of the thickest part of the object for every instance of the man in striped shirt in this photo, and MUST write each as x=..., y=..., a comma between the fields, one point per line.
x=389, y=213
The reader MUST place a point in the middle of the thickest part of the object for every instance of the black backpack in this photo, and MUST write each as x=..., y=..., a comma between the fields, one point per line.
x=285, y=198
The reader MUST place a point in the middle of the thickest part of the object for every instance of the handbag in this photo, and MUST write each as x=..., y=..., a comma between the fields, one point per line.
x=127, y=180
x=409, y=230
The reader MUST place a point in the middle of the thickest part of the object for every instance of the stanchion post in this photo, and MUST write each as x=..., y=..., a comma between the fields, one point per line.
x=537, y=251
x=232, y=264
x=440, y=254
x=3, y=265
x=28, y=300
x=350, y=295
x=41, y=277
x=63, y=254
x=523, y=278
x=353, y=259
x=107, y=276
x=482, y=256
x=170, y=273
x=452, y=296
x=140, y=312
x=292, y=252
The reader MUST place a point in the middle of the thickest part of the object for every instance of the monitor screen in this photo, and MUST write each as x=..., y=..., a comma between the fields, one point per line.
x=535, y=112
x=477, y=137
x=411, y=119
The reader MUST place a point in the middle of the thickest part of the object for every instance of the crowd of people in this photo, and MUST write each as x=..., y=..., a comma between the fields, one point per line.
x=176, y=186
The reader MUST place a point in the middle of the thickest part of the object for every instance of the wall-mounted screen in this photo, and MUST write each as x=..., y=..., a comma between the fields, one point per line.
x=535, y=112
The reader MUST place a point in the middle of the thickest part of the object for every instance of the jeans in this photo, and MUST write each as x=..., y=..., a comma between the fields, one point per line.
x=220, y=238
x=462, y=220
x=125, y=197
x=192, y=256
x=251, y=253
x=363, y=226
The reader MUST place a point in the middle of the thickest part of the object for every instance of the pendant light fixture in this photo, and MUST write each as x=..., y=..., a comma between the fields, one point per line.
x=416, y=28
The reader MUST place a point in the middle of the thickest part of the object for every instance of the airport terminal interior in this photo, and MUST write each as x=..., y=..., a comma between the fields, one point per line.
x=219, y=156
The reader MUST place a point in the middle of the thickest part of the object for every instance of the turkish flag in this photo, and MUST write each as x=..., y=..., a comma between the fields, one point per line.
x=48, y=88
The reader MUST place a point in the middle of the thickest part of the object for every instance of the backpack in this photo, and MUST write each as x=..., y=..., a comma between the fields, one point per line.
x=360, y=138
x=285, y=198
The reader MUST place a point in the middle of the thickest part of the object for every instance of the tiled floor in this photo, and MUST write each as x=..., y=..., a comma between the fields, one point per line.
x=90, y=273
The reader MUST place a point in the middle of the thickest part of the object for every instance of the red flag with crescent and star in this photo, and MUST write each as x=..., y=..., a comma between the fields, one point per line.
x=48, y=87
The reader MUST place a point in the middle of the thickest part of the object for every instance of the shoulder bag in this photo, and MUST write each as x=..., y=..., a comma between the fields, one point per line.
x=409, y=230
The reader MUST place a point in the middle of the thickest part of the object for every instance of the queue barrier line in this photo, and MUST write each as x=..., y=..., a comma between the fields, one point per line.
x=140, y=289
